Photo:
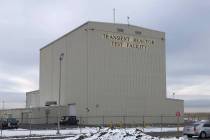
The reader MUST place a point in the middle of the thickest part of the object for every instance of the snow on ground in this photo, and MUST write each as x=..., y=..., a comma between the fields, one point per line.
x=119, y=134
x=90, y=133
x=45, y=132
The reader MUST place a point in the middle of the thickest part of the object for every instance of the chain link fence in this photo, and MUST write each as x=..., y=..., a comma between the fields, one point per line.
x=127, y=121
x=31, y=121
x=31, y=125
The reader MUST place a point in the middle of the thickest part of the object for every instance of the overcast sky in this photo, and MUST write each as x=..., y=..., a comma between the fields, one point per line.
x=28, y=25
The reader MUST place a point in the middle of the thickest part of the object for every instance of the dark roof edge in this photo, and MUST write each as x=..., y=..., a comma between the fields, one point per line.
x=64, y=35
x=33, y=91
x=179, y=100
x=127, y=25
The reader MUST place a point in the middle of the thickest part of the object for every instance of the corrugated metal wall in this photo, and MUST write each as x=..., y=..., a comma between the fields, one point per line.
x=103, y=80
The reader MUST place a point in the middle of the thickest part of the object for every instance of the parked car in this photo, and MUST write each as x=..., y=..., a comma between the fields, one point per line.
x=9, y=123
x=3, y=123
x=69, y=120
x=12, y=123
x=201, y=129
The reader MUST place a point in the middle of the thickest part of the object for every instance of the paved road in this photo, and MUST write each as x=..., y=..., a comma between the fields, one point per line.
x=36, y=137
x=198, y=139
x=165, y=134
x=172, y=134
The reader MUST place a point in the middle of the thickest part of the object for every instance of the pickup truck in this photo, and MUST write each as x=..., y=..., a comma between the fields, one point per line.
x=69, y=120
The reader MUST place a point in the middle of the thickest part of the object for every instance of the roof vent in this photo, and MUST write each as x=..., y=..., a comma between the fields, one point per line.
x=120, y=30
x=137, y=32
x=49, y=103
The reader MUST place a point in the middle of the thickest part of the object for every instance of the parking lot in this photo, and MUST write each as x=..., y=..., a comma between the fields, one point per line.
x=198, y=139
x=172, y=134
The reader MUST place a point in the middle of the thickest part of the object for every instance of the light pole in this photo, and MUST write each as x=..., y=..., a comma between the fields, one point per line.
x=59, y=94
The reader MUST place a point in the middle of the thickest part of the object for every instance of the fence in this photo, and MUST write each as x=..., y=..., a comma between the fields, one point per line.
x=49, y=116
x=188, y=117
x=124, y=121
x=130, y=121
x=32, y=125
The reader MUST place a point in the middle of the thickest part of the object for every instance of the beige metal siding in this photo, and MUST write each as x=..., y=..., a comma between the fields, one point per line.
x=125, y=81
x=33, y=99
x=105, y=80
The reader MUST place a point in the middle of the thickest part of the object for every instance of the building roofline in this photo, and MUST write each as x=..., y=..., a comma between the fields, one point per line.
x=64, y=35
x=122, y=24
x=96, y=22
x=175, y=99
x=33, y=92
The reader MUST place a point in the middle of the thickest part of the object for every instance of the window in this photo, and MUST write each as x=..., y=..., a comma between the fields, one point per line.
x=206, y=125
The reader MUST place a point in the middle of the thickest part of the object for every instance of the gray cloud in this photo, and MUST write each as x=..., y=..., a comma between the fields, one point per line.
x=12, y=100
x=198, y=103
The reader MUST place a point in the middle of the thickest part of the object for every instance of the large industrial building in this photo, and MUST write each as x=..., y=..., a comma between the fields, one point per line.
x=106, y=69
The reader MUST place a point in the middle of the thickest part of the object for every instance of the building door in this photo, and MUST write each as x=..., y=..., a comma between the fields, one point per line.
x=25, y=117
x=72, y=110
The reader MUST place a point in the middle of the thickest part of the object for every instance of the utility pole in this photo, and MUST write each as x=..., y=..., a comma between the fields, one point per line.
x=114, y=15
x=2, y=115
x=3, y=103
